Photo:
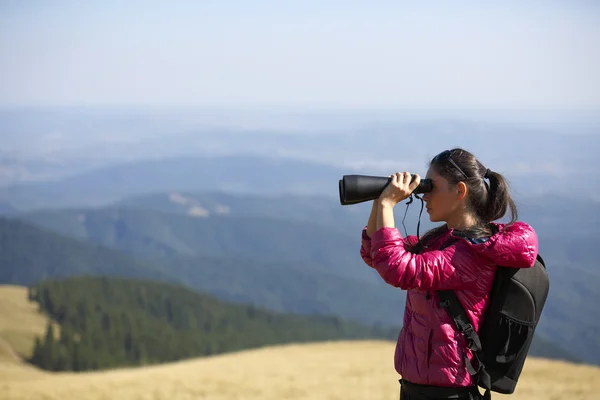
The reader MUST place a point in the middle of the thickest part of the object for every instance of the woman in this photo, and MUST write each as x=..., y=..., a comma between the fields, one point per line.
x=460, y=255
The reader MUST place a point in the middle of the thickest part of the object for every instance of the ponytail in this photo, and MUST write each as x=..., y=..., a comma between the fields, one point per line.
x=499, y=200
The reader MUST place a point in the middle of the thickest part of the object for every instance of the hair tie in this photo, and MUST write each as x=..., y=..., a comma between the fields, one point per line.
x=488, y=173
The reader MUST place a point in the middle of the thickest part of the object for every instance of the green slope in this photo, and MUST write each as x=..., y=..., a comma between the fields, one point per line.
x=29, y=254
x=327, y=249
x=111, y=322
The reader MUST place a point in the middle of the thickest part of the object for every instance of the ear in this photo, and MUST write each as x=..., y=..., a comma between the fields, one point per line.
x=462, y=190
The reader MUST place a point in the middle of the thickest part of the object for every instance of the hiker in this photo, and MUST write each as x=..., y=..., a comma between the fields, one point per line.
x=431, y=356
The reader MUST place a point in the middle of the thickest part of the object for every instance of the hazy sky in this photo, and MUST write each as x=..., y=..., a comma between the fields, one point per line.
x=451, y=53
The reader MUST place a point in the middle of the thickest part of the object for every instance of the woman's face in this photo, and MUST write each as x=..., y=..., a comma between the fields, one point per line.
x=445, y=201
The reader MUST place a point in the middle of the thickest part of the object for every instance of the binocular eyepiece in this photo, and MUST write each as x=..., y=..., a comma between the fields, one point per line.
x=356, y=189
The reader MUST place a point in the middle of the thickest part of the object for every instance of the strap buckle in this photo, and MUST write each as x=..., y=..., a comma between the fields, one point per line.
x=468, y=329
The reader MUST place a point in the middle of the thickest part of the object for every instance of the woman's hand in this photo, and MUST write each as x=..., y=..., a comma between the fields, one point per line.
x=398, y=189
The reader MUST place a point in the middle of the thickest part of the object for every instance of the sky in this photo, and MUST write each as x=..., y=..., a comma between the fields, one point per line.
x=310, y=53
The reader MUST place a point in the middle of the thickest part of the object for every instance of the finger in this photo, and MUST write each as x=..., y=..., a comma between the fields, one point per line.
x=401, y=178
x=407, y=177
x=416, y=182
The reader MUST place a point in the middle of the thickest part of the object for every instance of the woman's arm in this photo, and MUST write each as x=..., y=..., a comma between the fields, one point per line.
x=372, y=223
x=385, y=216
x=368, y=231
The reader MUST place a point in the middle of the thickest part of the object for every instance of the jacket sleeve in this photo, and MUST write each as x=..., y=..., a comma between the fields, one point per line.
x=433, y=270
x=365, y=249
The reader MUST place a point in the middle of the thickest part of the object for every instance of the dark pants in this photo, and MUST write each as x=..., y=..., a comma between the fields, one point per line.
x=411, y=391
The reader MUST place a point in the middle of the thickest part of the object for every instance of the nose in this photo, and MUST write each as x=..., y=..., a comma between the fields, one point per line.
x=426, y=197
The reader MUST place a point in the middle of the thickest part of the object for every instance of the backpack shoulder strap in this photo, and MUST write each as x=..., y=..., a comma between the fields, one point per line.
x=455, y=310
x=450, y=303
x=541, y=260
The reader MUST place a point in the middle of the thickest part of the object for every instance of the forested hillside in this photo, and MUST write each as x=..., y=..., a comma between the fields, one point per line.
x=112, y=322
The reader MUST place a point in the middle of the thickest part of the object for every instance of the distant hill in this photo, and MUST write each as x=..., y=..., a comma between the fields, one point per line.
x=366, y=141
x=279, y=286
x=111, y=322
x=6, y=208
x=235, y=174
x=321, y=210
x=29, y=254
x=328, y=249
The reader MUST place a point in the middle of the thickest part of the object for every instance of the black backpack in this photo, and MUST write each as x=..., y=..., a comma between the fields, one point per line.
x=517, y=298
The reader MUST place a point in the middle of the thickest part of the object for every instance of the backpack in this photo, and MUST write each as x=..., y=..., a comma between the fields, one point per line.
x=517, y=298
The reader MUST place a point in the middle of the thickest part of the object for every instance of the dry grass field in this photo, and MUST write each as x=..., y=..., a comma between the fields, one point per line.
x=20, y=322
x=336, y=370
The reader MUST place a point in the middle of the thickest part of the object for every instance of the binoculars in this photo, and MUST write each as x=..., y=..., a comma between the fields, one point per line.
x=356, y=189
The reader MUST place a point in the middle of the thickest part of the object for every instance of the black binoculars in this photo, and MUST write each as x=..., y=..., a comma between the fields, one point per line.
x=356, y=189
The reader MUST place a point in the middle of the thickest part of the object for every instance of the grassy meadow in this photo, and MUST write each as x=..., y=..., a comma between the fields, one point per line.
x=343, y=370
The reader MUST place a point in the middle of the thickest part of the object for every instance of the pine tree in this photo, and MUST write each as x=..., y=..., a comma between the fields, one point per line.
x=36, y=357
x=49, y=348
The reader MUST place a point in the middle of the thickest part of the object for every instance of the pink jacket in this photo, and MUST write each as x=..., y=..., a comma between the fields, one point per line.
x=429, y=350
